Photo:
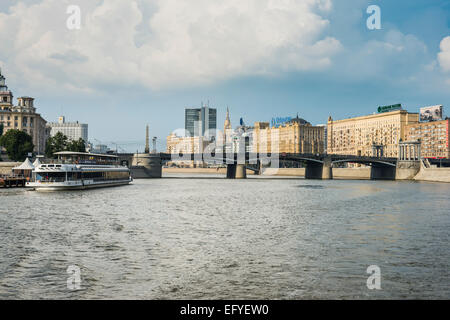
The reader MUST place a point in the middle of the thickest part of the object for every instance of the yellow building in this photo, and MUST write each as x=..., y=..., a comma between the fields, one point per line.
x=22, y=117
x=434, y=137
x=357, y=136
x=295, y=136
x=186, y=145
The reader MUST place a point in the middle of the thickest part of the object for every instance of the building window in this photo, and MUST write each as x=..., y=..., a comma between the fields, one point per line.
x=5, y=99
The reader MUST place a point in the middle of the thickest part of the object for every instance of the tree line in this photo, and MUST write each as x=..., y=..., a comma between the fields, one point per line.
x=18, y=144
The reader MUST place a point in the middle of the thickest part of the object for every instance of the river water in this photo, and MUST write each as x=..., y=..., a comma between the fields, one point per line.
x=205, y=237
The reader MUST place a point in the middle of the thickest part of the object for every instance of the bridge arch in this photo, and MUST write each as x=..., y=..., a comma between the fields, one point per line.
x=369, y=162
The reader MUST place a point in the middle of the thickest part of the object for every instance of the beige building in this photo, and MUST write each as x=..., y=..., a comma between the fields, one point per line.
x=357, y=136
x=22, y=117
x=186, y=145
x=434, y=137
x=296, y=136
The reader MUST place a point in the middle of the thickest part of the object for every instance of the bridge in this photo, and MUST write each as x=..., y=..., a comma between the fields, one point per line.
x=317, y=166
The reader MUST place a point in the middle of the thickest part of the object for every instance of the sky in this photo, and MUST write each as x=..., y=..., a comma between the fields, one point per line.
x=139, y=62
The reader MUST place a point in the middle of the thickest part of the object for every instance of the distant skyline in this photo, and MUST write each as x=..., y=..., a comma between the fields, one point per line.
x=140, y=62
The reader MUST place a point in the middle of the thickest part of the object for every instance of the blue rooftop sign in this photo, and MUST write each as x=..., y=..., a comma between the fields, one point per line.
x=276, y=122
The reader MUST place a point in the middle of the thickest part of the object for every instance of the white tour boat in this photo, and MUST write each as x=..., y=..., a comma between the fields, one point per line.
x=79, y=170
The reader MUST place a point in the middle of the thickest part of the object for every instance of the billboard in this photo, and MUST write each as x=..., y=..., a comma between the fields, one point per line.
x=432, y=113
x=393, y=107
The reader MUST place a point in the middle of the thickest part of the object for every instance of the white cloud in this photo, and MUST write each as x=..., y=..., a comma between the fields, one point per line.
x=163, y=43
x=393, y=57
x=444, y=55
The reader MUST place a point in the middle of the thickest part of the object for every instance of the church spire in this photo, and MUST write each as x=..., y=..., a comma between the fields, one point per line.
x=227, y=124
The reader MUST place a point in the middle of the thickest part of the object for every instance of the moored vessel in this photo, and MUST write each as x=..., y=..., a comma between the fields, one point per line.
x=79, y=170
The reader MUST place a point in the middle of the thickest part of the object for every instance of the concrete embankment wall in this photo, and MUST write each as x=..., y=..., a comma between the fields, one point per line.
x=363, y=173
x=351, y=173
x=433, y=175
x=338, y=173
x=200, y=170
x=286, y=172
x=6, y=167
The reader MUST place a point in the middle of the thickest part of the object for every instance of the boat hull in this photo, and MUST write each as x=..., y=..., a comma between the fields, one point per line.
x=64, y=186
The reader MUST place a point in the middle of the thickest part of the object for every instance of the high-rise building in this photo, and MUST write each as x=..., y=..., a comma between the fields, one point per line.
x=325, y=134
x=201, y=122
x=72, y=130
x=357, y=136
x=22, y=117
x=434, y=138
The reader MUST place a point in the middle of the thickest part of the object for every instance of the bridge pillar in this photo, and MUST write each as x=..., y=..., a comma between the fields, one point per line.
x=382, y=172
x=241, y=171
x=327, y=169
x=236, y=171
x=313, y=170
x=318, y=170
x=407, y=170
x=231, y=171
x=146, y=165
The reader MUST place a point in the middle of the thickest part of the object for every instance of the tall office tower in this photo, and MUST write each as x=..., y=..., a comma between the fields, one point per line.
x=201, y=122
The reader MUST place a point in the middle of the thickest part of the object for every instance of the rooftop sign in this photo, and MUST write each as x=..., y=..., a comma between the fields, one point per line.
x=276, y=122
x=393, y=107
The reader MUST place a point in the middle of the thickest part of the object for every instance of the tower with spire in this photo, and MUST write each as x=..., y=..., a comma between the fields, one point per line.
x=6, y=96
x=227, y=124
x=227, y=131
x=22, y=116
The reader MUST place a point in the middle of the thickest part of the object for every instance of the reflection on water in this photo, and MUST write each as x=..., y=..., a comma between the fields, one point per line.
x=204, y=238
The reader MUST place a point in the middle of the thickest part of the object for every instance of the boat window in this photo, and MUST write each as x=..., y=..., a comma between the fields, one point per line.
x=53, y=176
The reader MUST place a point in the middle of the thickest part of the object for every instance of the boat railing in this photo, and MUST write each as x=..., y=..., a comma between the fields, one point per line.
x=53, y=179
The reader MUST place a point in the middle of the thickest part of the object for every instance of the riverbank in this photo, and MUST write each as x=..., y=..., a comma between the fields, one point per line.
x=363, y=173
x=200, y=170
x=433, y=175
x=6, y=167
x=338, y=173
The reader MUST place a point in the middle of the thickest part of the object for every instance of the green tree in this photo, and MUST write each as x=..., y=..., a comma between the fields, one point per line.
x=76, y=145
x=55, y=144
x=17, y=144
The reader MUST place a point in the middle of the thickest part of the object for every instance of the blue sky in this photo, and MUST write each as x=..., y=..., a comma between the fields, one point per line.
x=139, y=62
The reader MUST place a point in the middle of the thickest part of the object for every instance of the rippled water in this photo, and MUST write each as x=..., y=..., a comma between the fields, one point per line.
x=206, y=237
